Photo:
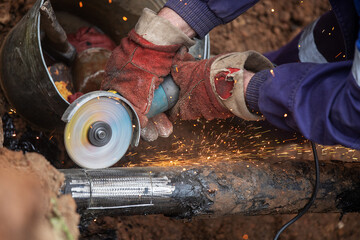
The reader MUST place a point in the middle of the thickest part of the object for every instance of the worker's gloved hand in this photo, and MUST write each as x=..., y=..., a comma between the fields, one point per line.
x=210, y=89
x=137, y=66
x=214, y=88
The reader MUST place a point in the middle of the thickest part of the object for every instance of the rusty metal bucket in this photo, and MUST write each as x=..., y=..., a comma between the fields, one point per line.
x=25, y=80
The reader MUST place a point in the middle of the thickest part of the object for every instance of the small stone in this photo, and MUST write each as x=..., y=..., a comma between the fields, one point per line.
x=340, y=225
x=5, y=16
x=284, y=16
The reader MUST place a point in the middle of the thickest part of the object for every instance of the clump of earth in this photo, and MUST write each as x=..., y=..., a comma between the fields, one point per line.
x=30, y=205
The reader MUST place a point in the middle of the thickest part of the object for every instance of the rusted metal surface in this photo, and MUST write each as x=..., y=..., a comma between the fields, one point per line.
x=241, y=187
x=280, y=187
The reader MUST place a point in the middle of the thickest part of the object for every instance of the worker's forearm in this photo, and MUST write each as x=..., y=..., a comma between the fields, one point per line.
x=202, y=16
x=177, y=21
x=310, y=99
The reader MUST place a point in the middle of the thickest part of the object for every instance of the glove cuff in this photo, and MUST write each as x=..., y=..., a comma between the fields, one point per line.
x=160, y=31
x=251, y=61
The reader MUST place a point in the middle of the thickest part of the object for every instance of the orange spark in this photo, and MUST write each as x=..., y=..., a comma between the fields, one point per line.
x=272, y=72
x=338, y=54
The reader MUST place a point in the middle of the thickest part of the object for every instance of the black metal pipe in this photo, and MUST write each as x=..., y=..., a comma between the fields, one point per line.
x=243, y=187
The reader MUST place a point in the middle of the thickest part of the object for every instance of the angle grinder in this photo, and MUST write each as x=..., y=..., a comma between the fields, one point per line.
x=101, y=125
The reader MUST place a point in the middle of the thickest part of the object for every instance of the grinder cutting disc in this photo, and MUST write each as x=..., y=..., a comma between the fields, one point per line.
x=99, y=133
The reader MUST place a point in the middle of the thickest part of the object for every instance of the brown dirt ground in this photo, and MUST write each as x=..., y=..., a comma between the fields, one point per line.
x=259, y=29
x=30, y=205
x=267, y=26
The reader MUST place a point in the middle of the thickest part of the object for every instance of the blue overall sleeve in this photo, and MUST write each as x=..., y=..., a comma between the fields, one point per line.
x=204, y=15
x=321, y=101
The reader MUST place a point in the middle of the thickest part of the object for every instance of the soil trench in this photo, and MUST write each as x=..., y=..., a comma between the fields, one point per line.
x=32, y=209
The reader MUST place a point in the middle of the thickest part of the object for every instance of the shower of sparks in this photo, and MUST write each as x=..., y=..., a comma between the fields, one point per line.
x=219, y=141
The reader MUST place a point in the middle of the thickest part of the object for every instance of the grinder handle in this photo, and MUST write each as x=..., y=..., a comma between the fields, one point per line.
x=165, y=97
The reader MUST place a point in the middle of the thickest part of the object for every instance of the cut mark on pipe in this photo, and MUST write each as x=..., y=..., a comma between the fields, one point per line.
x=124, y=206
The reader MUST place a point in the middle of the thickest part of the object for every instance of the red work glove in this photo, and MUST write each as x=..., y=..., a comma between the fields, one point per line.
x=214, y=88
x=88, y=37
x=74, y=96
x=137, y=66
x=211, y=88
